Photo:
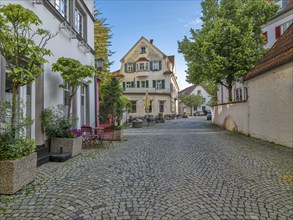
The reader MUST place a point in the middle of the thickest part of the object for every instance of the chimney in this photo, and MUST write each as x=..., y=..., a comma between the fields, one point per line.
x=152, y=41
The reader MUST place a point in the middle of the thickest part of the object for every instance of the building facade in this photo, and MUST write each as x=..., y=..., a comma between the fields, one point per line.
x=73, y=22
x=196, y=90
x=272, y=32
x=146, y=69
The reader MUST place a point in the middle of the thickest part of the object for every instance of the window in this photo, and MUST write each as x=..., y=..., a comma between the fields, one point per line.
x=198, y=92
x=78, y=19
x=285, y=26
x=238, y=95
x=142, y=50
x=161, y=106
x=156, y=65
x=279, y=3
x=159, y=84
x=83, y=109
x=142, y=66
x=266, y=36
x=128, y=85
x=204, y=100
x=61, y=6
x=143, y=84
x=133, y=107
x=130, y=67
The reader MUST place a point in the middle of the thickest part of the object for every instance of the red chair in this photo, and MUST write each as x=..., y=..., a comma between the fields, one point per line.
x=91, y=135
x=108, y=135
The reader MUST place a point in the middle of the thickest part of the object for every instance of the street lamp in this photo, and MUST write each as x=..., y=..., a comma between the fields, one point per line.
x=99, y=63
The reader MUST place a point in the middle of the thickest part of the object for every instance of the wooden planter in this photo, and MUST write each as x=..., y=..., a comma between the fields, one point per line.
x=118, y=135
x=70, y=145
x=14, y=174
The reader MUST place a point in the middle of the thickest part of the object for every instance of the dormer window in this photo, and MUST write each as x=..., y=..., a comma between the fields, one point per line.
x=142, y=50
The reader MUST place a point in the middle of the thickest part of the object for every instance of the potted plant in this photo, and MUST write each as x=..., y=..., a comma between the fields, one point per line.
x=161, y=117
x=60, y=128
x=18, y=161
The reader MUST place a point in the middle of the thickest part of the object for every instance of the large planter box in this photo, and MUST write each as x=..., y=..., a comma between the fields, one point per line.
x=118, y=135
x=14, y=174
x=70, y=145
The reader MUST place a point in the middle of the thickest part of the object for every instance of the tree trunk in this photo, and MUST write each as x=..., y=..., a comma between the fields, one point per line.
x=230, y=93
x=14, y=108
x=69, y=106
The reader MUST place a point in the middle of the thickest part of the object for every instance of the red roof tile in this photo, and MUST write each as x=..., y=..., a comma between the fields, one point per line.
x=280, y=54
x=188, y=90
x=117, y=73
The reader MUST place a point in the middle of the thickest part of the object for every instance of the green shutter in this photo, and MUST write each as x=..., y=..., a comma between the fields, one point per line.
x=124, y=86
x=132, y=84
x=125, y=67
x=134, y=67
x=138, y=84
x=163, y=84
x=160, y=65
x=147, y=83
x=154, y=83
x=151, y=65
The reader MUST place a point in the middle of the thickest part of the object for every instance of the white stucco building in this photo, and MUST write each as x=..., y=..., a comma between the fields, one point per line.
x=146, y=68
x=196, y=90
x=73, y=22
x=272, y=32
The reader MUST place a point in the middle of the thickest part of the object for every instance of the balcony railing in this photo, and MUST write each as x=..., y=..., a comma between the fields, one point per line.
x=150, y=90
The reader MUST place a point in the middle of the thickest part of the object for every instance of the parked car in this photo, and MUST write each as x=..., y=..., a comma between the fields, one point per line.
x=209, y=115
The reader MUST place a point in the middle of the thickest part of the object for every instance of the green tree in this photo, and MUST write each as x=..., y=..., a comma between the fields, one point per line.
x=191, y=100
x=74, y=75
x=230, y=42
x=113, y=103
x=22, y=44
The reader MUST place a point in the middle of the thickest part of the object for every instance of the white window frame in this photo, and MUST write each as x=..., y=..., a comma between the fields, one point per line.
x=129, y=67
x=285, y=26
x=133, y=103
x=156, y=65
x=159, y=84
x=142, y=66
x=61, y=7
x=78, y=21
x=238, y=94
x=143, y=84
x=128, y=85
x=161, y=105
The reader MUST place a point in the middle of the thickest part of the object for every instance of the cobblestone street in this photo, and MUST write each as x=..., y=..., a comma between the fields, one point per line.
x=182, y=169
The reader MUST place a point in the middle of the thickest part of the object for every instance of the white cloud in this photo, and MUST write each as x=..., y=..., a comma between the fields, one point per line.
x=195, y=22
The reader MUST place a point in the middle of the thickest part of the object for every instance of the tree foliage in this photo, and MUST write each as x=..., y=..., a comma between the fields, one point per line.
x=191, y=100
x=74, y=74
x=113, y=103
x=22, y=44
x=230, y=42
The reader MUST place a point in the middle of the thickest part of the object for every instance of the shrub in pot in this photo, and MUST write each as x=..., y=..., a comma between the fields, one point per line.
x=60, y=128
x=18, y=162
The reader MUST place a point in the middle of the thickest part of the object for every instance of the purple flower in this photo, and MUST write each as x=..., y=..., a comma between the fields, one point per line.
x=76, y=132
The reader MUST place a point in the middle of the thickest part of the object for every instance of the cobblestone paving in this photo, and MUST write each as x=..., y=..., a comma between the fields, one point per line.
x=183, y=169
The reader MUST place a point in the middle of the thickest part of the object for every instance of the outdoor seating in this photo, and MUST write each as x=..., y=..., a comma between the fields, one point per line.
x=108, y=135
x=92, y=135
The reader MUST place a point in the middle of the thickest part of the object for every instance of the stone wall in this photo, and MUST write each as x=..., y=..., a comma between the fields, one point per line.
x=268, y=113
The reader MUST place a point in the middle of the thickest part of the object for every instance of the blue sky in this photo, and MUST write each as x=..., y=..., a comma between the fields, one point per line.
x=164, y=21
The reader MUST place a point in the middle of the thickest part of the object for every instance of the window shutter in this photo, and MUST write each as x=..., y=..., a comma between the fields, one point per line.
x=154, y=83
x=151, y=65
x=278, y=31
x=163, y=84
x=134, y=67
x=147, y=83
x=125, y=67
x=124, y=86
x=160, y=65
x=266, y=36
x=138, y=84
x=132, y=84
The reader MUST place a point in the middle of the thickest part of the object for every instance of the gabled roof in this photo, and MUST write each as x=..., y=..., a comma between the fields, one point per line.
x=280, y=54
x=117, y=73
x=187, y=90
x=171, y=59
x=150, y=44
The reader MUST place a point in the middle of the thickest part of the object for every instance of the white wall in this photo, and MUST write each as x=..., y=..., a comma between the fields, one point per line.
x=268, y=113
x=60, y=46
